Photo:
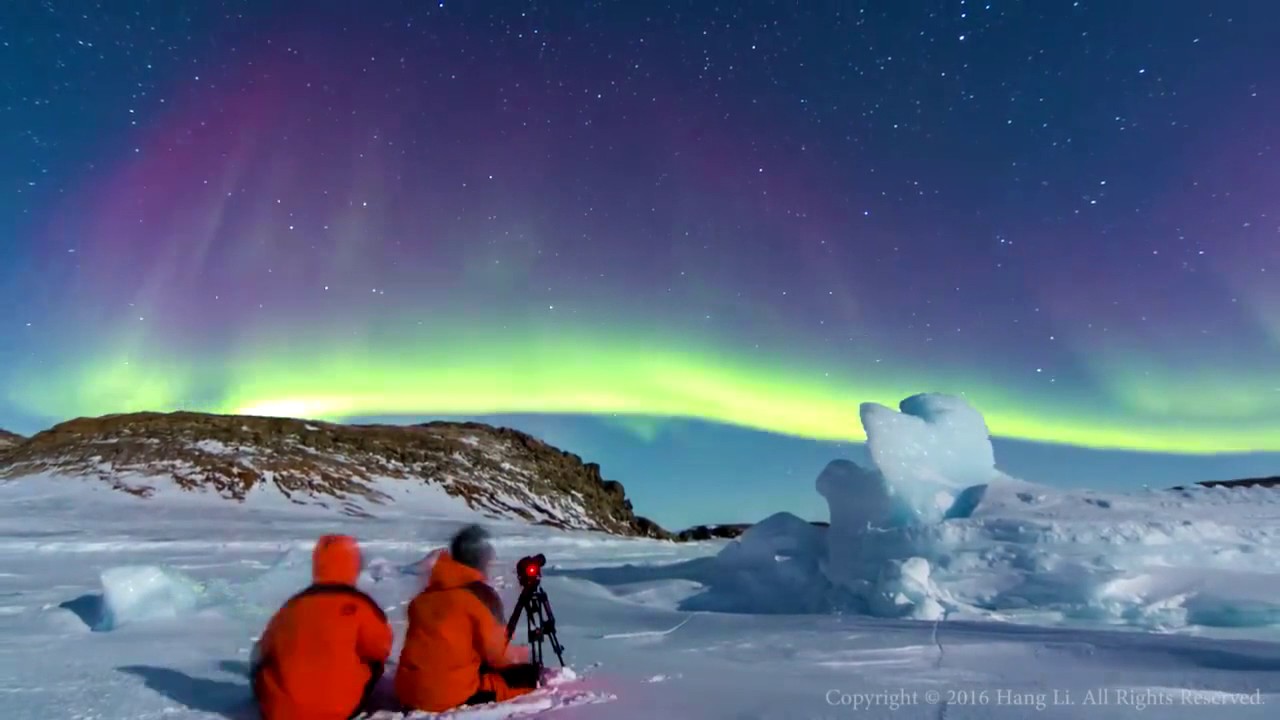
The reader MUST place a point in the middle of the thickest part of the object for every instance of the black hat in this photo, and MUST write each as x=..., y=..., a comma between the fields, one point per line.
x=471, y=547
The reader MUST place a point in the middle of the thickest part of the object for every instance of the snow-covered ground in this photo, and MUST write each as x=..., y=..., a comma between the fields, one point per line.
x=942, y=590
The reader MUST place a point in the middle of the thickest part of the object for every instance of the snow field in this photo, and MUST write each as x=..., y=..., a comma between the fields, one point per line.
x=942, y=589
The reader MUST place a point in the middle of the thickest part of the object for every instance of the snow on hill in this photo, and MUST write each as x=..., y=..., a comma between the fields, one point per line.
x=357, y=470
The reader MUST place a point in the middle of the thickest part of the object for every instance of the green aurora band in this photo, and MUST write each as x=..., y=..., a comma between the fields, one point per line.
x=470, y=373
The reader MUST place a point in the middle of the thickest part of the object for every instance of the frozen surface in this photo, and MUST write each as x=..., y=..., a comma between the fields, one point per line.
x=624, y=614
x=929, y=596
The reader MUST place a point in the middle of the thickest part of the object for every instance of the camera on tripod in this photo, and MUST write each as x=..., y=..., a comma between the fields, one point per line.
x=535, y=605
x=529, y=569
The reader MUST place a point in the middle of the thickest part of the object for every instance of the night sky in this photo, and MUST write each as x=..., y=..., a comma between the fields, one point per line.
x=756, y=214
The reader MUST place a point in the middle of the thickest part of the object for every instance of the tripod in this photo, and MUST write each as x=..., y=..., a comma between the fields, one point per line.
x=539, y=619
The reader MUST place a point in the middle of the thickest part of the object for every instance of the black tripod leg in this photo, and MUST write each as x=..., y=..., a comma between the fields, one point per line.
x=535, y=634
x=521, y=604
x=544, y=604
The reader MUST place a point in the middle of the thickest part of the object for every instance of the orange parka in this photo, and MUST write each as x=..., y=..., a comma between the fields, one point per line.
x=456, y=630
x=321, y=652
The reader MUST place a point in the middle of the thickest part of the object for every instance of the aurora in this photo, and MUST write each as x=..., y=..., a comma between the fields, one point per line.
x=391, y=222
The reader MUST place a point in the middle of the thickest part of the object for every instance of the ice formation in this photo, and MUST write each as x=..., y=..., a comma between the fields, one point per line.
x=132, y=594
x=923, y=460
x=927, y=454
x=931, y=529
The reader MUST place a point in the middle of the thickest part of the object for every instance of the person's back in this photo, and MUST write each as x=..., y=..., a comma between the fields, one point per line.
x=325, y=649
x=456, y=651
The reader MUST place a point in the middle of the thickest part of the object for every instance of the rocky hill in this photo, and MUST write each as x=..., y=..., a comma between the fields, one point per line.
x=498, y=471
x=9, y=440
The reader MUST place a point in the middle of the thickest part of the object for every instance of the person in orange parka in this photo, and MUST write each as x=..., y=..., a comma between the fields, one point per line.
x=325, y=649
x=456, y=650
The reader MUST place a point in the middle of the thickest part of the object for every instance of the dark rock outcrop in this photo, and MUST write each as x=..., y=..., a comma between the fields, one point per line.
x=1266, y=482
x=713, y=532
x=723, y=532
